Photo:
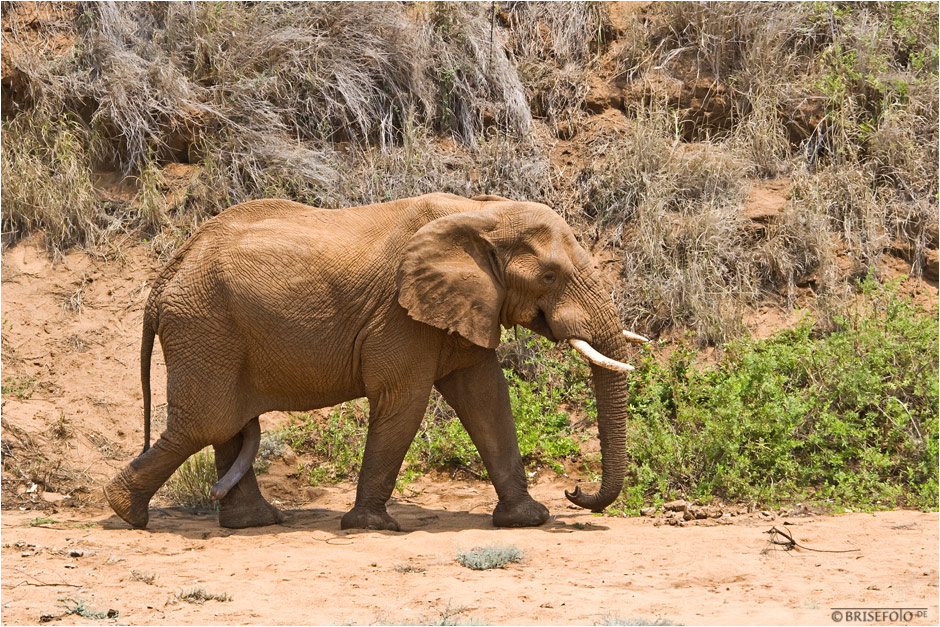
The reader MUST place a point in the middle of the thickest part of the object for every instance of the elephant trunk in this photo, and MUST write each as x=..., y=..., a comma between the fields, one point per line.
x=610, y=390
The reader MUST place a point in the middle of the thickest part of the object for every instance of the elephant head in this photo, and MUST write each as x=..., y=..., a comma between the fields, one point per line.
x=518, y=263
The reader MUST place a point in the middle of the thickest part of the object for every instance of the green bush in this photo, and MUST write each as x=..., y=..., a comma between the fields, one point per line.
x=849, y=418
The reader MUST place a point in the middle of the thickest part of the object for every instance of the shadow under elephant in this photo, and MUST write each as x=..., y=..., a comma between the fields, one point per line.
x=204, y=525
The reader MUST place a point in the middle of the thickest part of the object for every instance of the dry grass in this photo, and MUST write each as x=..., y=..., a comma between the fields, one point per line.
x=189, y=486
x=337, y=104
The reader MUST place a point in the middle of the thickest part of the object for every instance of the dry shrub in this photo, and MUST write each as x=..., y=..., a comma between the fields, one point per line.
x=258, y=95
x=191, y=483
x=555, y=45
x=47, y=184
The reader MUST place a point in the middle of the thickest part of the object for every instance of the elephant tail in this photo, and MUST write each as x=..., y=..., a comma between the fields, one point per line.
x=146, y=351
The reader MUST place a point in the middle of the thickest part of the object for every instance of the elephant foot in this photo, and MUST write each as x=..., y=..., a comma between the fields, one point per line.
x=523, y=513
x=362, y=518
x=260, y=515
x=130, y=505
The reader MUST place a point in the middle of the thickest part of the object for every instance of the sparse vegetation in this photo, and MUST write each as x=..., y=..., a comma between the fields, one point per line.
x=614, y=619
x=42, y=520
x=488, y=557
x=147, y=578
x=200, y=595
x=21, y=387
x=79, y=608
x=190, y=485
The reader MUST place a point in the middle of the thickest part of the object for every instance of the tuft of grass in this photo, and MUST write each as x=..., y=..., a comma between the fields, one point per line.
x=190, y=485
x=200, y=595
x=79, y=608
x=42, y=520
x=491, y=556
x=847, y=417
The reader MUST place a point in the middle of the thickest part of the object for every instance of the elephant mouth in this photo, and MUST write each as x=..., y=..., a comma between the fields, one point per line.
x=539, y=324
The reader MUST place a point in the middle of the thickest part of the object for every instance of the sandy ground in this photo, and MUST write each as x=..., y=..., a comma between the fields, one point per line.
x=72, y=418
x=577, y=569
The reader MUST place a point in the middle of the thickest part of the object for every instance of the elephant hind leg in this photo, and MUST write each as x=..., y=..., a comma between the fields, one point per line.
x=130, y=492
x=243, y=505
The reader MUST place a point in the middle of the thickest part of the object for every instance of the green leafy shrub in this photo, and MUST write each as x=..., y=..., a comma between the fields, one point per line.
x=849, y=417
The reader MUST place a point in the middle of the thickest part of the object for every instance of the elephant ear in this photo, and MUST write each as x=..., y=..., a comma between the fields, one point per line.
x=447, y=277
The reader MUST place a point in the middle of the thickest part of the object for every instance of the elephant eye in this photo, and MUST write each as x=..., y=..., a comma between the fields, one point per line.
x=548, y=277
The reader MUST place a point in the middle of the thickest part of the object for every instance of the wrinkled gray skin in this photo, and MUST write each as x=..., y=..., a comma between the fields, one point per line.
x=274, y=305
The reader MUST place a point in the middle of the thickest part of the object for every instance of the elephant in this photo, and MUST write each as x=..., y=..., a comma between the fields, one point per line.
x=273, y=305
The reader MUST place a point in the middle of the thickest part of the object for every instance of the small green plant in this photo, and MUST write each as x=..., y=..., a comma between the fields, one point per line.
x=337, y=443
x=79, y=608
x=22, y=387
x=189, y=486
x=40, y=520
x=200, y=595
x=491, y=556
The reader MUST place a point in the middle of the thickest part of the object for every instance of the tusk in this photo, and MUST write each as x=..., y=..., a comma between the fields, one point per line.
x=591, y=354
x=633, y=337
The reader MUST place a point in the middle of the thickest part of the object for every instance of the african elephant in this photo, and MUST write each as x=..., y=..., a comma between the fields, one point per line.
x=274, y=305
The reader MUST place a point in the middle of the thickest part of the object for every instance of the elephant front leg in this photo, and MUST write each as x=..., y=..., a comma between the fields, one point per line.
x=243, y=506
x=480, y=396
x=392, y=427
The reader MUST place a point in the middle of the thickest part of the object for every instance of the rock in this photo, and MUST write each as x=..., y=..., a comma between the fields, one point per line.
x=53, y=497
x=688, y=515
x=767, y=515
x=603, y=97
x=76, y=552
x=676, y=506
x=714, y=512
x=648, y=511
x=71, y=566
x=698, y=512
x=45, y=618
x=932, y=264
x=672, y=521
x=289, y=457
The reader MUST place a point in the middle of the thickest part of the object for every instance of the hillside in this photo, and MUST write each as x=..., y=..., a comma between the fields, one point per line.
x=757, y=182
